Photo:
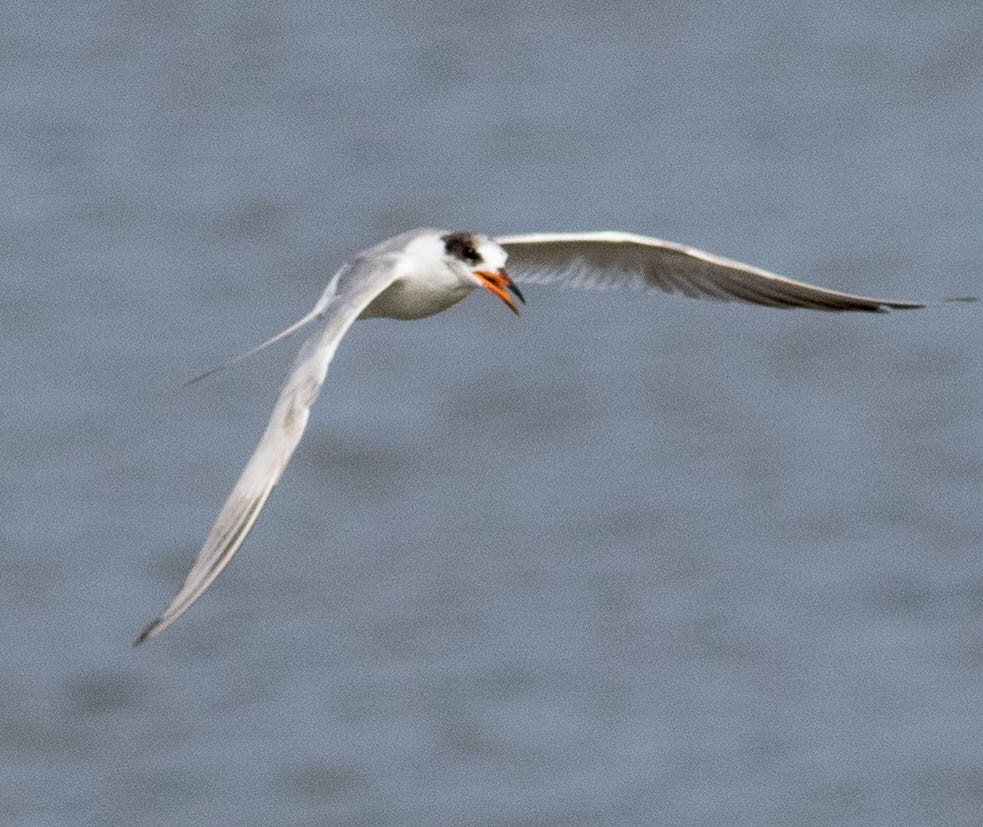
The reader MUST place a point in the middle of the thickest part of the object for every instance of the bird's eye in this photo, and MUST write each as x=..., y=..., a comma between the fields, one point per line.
x=461, y=246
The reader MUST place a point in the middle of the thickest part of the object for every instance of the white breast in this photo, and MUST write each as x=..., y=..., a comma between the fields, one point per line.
x=414, y=299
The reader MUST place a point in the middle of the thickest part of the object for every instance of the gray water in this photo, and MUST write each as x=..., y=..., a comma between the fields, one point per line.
x=630, y=559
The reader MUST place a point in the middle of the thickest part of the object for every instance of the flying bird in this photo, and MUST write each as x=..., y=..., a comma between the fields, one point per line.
x=425, y=271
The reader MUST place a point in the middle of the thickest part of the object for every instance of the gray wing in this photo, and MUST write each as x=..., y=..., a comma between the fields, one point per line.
x=613, y=259
x=351, y=290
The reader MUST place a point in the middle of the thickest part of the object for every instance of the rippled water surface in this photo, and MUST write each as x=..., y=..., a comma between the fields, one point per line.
x=631, y=559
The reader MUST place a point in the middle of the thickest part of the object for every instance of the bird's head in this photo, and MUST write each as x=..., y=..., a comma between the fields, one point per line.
x=482, y=261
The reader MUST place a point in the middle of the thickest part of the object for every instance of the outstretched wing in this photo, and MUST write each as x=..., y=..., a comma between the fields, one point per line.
x=614, y=259
x=351, y=290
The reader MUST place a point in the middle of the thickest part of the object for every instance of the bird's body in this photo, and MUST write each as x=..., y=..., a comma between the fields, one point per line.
x=422, y=272
x=422, y=285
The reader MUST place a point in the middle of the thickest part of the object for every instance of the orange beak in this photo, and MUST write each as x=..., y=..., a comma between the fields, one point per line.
x=501, y=285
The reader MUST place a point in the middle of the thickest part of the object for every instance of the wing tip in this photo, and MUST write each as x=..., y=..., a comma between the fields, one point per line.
x=887, y=307
x=149, y=631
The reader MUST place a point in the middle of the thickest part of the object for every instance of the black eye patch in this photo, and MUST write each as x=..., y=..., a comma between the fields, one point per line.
x=462, y=246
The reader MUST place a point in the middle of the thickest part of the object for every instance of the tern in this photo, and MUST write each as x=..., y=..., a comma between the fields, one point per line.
x=425, y=271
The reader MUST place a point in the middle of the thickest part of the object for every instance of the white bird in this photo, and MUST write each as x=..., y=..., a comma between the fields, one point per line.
x=424, y=271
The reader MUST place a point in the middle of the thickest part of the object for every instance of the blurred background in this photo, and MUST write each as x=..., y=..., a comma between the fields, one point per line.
x=629, y=559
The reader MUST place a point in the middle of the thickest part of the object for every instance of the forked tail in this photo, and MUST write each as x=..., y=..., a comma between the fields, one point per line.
x=235, y=360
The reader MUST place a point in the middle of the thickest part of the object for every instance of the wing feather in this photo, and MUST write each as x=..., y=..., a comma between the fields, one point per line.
x=351, y=290
x=607, y=259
